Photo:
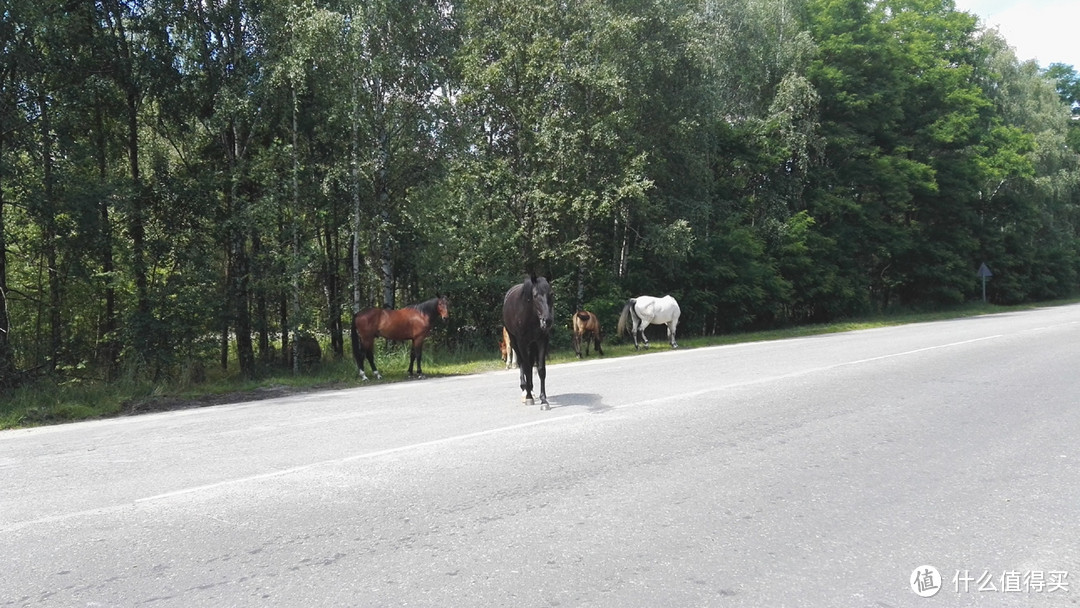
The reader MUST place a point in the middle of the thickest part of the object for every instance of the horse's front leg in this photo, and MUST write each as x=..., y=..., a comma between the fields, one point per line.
x=414, y=355
x=671, y=335
x=526, y=386
x=525, y=372
x=541, y=370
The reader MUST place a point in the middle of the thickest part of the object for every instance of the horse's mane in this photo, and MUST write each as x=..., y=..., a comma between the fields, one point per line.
x=428, y=307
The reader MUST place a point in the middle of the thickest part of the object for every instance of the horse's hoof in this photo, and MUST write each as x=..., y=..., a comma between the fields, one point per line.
x=544, y=405
x=529, y=401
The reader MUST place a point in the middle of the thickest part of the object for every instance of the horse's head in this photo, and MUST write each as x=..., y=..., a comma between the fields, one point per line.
x=443, y=307
x=538, y=290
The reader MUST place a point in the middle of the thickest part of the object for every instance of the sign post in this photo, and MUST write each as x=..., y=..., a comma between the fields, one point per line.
x=984, y=273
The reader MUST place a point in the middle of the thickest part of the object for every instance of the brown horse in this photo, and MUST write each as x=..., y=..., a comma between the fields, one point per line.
x=506, y=351
x=410, y=323
x=586, y=325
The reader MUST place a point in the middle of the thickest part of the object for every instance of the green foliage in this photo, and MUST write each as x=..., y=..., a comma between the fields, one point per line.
x=1067, y=82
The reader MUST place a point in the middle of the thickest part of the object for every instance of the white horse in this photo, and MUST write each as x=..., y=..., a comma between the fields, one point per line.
x=649, y=310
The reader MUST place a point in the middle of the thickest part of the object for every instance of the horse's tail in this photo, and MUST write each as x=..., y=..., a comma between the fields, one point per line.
x=357, y=355
x=626, y=311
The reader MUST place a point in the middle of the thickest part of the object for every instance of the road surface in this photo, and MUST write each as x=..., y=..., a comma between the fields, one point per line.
x=821, y=471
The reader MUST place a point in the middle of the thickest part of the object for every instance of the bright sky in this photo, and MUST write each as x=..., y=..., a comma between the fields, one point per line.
x=1045, y=30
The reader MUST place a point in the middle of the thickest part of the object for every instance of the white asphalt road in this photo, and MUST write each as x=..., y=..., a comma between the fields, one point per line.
x=810, y=472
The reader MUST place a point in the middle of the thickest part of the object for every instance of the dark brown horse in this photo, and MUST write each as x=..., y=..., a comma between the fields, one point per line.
x=528, y=317
x=410, y=323
x=586, y=325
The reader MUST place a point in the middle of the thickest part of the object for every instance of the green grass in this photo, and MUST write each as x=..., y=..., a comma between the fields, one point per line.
x=50, y=403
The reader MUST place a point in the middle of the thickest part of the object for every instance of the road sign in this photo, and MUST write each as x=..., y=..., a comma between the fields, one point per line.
x=984, y=273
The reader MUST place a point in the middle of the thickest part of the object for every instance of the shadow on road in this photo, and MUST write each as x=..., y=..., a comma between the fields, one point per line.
x=590, y=401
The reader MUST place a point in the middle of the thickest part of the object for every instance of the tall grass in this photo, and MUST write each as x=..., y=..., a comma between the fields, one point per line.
x=49, y=403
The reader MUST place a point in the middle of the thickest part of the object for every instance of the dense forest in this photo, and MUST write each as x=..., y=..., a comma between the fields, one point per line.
x=204, y=182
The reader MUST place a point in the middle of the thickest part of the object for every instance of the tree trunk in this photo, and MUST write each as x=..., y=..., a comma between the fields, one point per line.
x=226, y=304
x=582, y=268
x=294, y=284
x=142, y=326
x=7, y=354
x=356, y=198
x=239, y=286
x=137, y=233
x=108, y=351
x=239, y=271
x=621, y=258
x=382, y=198
x=245, y=351
x=579, y=300
x=286, y=343
x=262, y=321
x=282, y=295
x=48, y=219
x=331, y=289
